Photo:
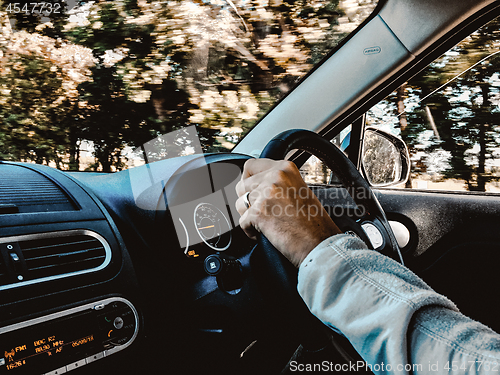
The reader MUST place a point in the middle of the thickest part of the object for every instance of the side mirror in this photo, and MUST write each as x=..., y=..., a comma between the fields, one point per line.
x=385, y=159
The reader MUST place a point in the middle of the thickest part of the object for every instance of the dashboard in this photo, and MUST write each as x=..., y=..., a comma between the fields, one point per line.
x=93, y=265
x=136, y=271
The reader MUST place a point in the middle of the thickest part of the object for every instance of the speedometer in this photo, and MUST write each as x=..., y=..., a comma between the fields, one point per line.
x=212, y=226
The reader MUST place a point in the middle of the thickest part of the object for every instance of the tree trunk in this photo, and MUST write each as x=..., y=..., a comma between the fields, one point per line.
x=74, y=154
x=483, y=129
x=400, y=97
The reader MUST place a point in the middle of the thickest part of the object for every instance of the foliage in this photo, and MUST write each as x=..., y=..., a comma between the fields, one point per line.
x=148, y=67
x=38, y=96
x=33, y=89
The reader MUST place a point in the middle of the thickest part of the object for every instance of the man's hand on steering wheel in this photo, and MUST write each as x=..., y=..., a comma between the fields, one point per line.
x=282, y=207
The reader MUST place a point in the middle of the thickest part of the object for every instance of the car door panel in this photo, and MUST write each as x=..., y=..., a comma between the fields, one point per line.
x=458, y=245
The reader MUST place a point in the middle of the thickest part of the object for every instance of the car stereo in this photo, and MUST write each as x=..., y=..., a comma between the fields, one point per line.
x=57, y=343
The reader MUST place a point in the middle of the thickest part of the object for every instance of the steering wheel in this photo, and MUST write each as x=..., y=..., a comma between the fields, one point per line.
x=372, y=219
x=276, y=270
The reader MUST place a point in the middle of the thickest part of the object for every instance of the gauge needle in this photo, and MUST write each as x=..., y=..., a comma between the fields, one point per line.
x=210, y=226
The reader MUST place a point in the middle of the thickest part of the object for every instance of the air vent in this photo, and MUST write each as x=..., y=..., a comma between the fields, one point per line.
x=3, y=273
x=24, y=190
x=51, y=256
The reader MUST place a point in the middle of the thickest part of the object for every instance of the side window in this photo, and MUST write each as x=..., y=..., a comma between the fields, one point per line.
x=449, y=116
x=314, y=171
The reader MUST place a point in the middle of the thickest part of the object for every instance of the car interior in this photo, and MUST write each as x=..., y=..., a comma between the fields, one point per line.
x=146, y=270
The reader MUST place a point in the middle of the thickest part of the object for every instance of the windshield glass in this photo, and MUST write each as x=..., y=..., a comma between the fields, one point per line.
x=83, y=83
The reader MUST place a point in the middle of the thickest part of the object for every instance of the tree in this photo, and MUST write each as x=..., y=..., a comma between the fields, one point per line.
x=219, y=65
x=236, y=72
x=131, y=98
x=39, y=76
x=33, y=112
x=38, y=97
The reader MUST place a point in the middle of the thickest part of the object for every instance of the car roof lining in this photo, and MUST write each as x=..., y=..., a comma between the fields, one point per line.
x=430, y=19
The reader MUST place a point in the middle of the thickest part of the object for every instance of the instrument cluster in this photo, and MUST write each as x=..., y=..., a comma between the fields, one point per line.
x=205, y=225
x=201, y=202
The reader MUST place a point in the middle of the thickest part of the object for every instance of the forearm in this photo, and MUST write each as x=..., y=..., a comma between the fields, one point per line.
x=372, y=300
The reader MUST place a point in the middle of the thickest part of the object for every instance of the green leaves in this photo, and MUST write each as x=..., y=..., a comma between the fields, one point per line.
x=33, y=126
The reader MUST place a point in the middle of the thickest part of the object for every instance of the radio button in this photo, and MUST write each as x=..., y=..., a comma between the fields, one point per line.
x=108, y=320
x=118, y=323
x=94, y=357
x=59, y=371
x=76, y=364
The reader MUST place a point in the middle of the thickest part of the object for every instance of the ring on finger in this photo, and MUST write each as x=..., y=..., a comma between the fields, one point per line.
x=246, y=200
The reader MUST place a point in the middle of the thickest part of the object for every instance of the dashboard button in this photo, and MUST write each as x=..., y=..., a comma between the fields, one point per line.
x=118, y=323
x=373, y=234
x=94, y=357
x=76, y=364
x=213, y=265
x=59, y=371
x=108, y=345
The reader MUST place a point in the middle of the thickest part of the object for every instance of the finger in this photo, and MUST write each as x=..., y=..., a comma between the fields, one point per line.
x=240, y=205
x=250, y=184
x=247, y=225
x=246, y=183
x=257, y=170
x=240, y=188
x=255, y=166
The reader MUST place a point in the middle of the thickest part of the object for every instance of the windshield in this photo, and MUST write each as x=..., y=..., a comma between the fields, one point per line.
x=84, y=83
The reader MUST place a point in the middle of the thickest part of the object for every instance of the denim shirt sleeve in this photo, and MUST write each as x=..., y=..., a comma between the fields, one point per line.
x=395, y=321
